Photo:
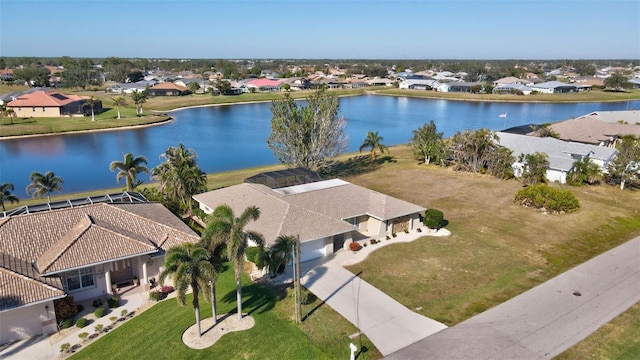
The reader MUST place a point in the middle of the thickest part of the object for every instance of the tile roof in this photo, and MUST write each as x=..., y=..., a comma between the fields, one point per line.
x=44, y=99
x=53, y=241
x=265, y=82
x=592, y=131
x=168, y=86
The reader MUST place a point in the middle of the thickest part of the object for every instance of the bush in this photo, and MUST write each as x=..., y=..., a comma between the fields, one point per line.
x=100, y=312
x=167, y=289
x=67, y=323
x=65, y=347
x=113, y=302
x=252, y=254
x=82, y=322
x=97, y=303
x=113, y=319
x=98, y=328
x=541, y=196
x=65, y=308
x=83, y=336
x=394, y=234
x=433, y=219
x=354, y=246
x=156, y=296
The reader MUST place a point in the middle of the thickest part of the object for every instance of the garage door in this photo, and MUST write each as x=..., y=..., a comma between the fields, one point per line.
x=312, y=249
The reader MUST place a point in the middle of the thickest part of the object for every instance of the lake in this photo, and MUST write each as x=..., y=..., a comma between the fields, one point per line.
x=233, y=137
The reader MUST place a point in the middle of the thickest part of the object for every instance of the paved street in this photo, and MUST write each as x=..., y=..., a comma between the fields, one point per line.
x=546, y=320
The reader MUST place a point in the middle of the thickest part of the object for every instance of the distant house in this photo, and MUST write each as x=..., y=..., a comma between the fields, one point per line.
x=380, y=82
x=468, y=87
x=590, y=130
x=129, y=88
x=510, y=80
x=554, y=87
x=51, y=104
x=561, y=154
x=513, y=88
x=203, y=84
x=168, y=89
x=265, y=85
x=86, y=251
x=419, y=84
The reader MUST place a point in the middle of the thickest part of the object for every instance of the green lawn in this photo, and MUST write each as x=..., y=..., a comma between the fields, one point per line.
x=156, y=333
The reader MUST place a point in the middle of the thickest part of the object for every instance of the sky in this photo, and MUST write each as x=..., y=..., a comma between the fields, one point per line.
x=330, y=29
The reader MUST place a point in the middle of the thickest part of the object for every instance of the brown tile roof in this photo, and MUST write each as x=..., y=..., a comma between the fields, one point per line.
x=592, y=131
x=168, y=86
x=21, y=284
x=44, y=99
x=53, y=241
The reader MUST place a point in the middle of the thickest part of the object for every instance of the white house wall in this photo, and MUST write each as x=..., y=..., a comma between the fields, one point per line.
x=27, y=322
x=313, y=249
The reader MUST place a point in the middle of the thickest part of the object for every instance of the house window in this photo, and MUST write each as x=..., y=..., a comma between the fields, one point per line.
x=43, y=109
x=79, y=279
x=34, y=109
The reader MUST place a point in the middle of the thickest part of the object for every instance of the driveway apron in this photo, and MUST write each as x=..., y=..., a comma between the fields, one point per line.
x=387, y=323
x=546, y=320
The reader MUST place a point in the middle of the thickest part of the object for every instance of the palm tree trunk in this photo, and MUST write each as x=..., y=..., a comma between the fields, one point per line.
x=196, y=307
x=213, y=303
x=118, y=113
x=239, y=297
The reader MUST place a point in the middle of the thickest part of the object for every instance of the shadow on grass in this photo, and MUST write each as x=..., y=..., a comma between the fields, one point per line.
x=256, y=298
x=356, y=165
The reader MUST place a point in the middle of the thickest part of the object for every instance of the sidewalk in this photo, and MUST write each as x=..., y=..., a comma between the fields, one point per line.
x=387, y=323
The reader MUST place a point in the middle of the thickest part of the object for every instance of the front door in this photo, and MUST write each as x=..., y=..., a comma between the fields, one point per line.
x=121, y=271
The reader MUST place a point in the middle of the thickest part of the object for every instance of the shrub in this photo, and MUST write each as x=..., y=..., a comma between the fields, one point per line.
x=406, y=231
x=433, y=218
x=65, y=347
x=65, y=308
x=66, y=323
x=83, y=336
x=113, y=302
x=365, y=244
x=394, y=234
x=252, y=254
x=354, y=246
x=541, y=196
x=388, y=237
x=123, y=313
x=100, y=312
x=113, y=319
x=98, y=328
x=97, y=303
x=419, y=230
x=155, y=296
x=82, y=322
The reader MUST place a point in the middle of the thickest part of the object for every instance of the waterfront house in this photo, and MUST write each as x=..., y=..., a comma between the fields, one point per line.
x=85, y=248
x=51, y=104
x=168, y=89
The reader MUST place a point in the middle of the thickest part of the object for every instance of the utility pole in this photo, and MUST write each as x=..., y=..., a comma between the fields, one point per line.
x=296, y=281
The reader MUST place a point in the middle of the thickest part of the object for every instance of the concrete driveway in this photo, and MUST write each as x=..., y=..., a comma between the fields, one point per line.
x=546, y=320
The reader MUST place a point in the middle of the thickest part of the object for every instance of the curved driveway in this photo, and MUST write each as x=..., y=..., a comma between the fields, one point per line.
x=546, y=320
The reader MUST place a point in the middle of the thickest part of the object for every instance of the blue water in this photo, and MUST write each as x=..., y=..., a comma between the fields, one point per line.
x=234, y=136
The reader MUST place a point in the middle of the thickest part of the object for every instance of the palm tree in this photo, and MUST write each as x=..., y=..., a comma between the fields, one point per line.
x=189, y=265
x=180, y=176
x=284, y=247
x=139, y=98
x=44, y=184
x=119, y=102
x=374, y=142
x=6, y=195
x=10, y=113
x=92, y=102
x=225, y=228
x=129, y=169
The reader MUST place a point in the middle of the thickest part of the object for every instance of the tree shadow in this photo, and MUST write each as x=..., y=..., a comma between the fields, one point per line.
x=256, y=298
x=356, y=165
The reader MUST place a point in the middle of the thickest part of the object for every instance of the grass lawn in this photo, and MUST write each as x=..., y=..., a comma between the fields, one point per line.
x=618, y=339
x=157, y=332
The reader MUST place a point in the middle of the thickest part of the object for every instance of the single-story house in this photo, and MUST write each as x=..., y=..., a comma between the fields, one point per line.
x=202, y=83
x=512, y=89
x=168, y=89
x=469, y=87
x=620, y=116
x=561, y=154
x=380, y=82
x=51, y=104
x=511, y=80
x=601, y=128
x=326, y=215
x=264, y=84
x=129, y=88
x=419, y=84
x=554, y=87
x=80, y=251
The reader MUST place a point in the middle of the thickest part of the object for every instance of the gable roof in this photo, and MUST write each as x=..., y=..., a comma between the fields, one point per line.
x=44, y=99
x=263, y=82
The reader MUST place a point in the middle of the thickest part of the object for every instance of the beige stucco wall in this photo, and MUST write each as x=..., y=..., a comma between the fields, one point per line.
x=375, y=227
x=26, y=112
x=27, y=321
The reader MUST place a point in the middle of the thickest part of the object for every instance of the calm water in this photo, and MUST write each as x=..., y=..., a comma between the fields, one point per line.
x=234, y=136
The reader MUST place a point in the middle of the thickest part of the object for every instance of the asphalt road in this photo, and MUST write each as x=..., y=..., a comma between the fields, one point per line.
x=546, y=320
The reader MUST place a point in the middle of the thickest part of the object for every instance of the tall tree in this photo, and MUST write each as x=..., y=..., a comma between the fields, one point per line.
x=33, y=75
x=79, y=73
x=227, y=229
x=180, y=176
x=44, y=184
x=617, y=81
x=129, y=169
x=625, y=167
x=119, y=102
x=427, y=143
x=6, y=195
x=189, y=265
x=91, y=102
x=374, y=142
x=194, y=86
x=307, y=136
x=471, y=149
x=139, y=98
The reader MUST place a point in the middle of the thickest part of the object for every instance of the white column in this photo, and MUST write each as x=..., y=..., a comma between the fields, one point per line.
x=144, y=272
x=107, y=279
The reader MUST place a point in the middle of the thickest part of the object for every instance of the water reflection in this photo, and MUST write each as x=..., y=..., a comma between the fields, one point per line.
x=234, y=136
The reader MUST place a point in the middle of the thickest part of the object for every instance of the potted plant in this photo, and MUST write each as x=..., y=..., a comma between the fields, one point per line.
x=136, y=281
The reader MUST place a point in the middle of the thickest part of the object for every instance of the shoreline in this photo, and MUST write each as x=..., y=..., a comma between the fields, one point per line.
x=366, y=93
